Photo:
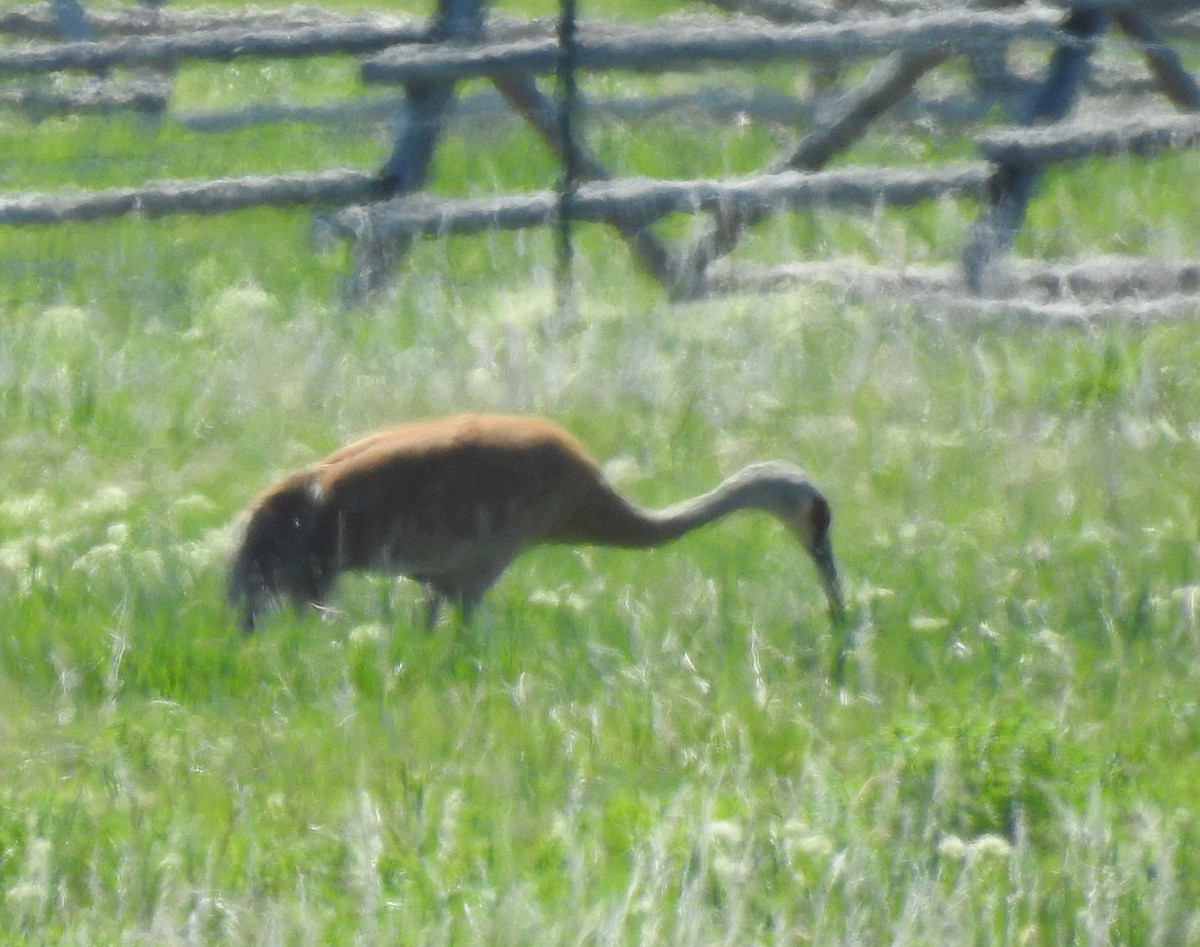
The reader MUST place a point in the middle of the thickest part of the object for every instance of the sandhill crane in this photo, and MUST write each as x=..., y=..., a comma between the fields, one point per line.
x=451, y=501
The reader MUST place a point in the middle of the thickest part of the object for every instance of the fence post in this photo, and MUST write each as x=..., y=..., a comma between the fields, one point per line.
x=1013, y=181
x=407, y=168
x=72, y=20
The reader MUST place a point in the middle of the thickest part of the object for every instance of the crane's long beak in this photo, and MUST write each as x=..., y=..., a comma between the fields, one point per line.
x=822, y=556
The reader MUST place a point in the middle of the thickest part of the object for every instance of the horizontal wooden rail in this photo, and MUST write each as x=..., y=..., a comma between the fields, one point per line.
x=138, y=95
x=1133, y=6
x=637, y=202
x=1070, y=141
x=1106, y=290
x=38, y=21
x=1102, y=278
x=325, y=188
x=213, y=45
x=797, y=11
x=688, y=46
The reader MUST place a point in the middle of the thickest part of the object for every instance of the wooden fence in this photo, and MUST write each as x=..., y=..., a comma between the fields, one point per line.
x=381, y=210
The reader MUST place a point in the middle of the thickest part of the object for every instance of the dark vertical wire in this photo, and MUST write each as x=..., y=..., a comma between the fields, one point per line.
x=567, y=95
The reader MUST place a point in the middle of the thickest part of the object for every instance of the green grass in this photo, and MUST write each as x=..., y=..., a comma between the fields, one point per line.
x=626, y=748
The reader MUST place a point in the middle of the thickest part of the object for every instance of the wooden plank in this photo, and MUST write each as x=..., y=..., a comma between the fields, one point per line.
x=148, y=96
x=1107, y=291
x=783, y=11
x=1069, y=141
x=216, y=45
x=631, y=202
x=37, y=21
x=688, y=46
x=326, y=188
x=1107, y=278
x=1132, y=6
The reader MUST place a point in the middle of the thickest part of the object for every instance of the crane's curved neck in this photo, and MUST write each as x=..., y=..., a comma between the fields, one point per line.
x=641, y=527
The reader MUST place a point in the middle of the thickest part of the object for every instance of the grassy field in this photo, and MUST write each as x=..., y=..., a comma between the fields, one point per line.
x=626, y=748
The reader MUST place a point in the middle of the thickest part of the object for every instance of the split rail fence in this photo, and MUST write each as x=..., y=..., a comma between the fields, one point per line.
x=383, y=210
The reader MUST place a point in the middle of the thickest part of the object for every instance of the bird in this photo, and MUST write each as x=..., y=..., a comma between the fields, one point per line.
x=451, y=501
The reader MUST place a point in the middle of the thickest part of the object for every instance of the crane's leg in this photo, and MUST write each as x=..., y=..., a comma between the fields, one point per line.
x=845, y=643
x=466, y=607
x=433, y=606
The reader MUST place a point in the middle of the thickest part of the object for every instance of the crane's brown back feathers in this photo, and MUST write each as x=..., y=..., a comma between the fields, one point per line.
x=451, y=501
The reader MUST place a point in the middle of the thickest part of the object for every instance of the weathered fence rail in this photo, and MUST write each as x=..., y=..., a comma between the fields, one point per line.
x=219, y=45
x=39, y=22
x=132, y=95
x=325, y=188
x=1070, y=141
x=690, y=47
x=428, y=60
x=639, y=202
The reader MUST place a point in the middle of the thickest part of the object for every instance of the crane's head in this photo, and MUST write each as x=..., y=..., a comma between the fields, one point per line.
x=787, y=493
x=281, y=556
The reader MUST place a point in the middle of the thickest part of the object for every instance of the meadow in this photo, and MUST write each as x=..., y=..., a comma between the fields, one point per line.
x=625, y=747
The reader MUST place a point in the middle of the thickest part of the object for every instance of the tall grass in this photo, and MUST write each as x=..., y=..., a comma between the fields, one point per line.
x=626, y=747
